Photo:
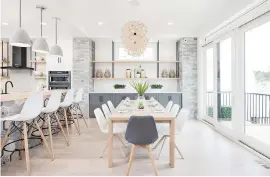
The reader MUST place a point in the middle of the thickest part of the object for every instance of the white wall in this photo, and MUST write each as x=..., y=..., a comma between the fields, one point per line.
x=103, y=52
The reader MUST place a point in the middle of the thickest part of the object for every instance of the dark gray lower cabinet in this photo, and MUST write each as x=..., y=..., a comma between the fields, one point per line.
x=97, y=99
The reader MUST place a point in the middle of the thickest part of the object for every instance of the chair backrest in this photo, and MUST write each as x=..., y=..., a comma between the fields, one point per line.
x=141, y=130
x=69, y=97
x=54, y=101
x=175, y=110
x=79, y=95
x=106, y=111
x=102, y=122
x=32, y=106
x=169, y=106
x=181, y=119
x=111, y=106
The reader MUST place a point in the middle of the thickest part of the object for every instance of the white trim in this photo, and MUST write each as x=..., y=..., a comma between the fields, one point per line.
x=245, y=16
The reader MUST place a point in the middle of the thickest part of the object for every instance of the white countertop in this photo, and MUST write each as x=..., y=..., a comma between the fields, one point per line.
x=22, y=95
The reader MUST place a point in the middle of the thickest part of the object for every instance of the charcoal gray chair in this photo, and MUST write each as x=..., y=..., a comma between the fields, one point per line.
x=141, y=132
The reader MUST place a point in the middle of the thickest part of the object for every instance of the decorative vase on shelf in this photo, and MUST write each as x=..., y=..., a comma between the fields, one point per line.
x=172, y=74
x=99, y=74
x=164, y=73
x=107, y=73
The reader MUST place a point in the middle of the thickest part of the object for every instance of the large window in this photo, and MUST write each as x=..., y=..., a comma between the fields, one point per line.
x=224, y=90
x=209, y=81
x=257, y=83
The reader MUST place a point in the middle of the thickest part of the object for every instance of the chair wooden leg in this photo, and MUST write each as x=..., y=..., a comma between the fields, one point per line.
x=76, y=126
x=50, y=134
x=4, y=140
x=65, y=113
x=60, y=125
x=130, y=159
x=151, y=157
x=26, y=149
x=44, y=140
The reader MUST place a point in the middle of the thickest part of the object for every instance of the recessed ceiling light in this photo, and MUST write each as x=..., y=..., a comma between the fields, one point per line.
x=4, y=23
x=43, y=23
x=100, y=23
x=170, y=23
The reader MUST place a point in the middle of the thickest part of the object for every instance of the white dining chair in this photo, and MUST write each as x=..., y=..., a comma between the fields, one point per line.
x=175, y=110
x=76, y=105
x=51, y=110
x=179, y=124
x=111, y=106
x=103, y=125
x=107, y=113
x=31, y=109
x=169, y=106
x=65, y=105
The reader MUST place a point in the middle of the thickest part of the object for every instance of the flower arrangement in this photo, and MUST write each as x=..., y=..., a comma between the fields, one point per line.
x=140, y=87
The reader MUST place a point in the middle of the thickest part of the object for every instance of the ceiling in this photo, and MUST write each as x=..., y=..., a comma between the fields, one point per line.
x=81, y=17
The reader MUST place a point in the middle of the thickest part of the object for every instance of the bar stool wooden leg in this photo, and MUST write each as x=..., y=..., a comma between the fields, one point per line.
x=26, y=148
x=65, y=113
x=4, y=140
x=60, y=125
x=50, y=134
x=130, y=159
x=76, y=126
x=44, y=140
x=83, y=116
x=77, y=119
x=151, y=157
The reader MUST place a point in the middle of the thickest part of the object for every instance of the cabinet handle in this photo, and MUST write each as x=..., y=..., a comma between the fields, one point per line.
x=169, y=98
x=101, y=98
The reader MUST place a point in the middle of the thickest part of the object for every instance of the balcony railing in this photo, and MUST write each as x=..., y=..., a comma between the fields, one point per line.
x=257, y=106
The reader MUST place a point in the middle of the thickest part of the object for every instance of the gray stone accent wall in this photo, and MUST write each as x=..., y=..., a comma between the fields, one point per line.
x=188, y=73
x=82, y=69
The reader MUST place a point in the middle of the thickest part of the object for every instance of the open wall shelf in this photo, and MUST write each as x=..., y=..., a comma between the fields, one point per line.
x=136, y=61
x=136, y=78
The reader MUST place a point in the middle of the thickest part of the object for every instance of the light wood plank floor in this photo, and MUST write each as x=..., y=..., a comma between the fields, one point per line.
x=206, y=153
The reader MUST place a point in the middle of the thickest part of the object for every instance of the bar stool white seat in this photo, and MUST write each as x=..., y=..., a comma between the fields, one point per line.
x=76, y=104
x=111, y=106
x=51, y=110
x=31, y=109
x=65, y=105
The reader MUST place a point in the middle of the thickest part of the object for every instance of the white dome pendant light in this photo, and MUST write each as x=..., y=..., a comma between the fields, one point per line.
x=40, y=45
x=56, y=49
x=20, y=38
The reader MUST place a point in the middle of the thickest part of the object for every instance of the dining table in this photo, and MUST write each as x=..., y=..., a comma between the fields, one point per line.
x=128, y=108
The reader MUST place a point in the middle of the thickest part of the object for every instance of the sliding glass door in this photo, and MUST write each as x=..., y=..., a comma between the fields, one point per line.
x=257, y=83
x=209, y=81
x=224, y=86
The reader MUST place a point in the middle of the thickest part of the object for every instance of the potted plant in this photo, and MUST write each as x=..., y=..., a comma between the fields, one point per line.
x=140, y=87
x=119, y=86
x=156, y=87
x=140, y=105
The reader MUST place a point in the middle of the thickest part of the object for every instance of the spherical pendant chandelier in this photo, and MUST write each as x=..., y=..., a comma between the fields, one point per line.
x=134, y=38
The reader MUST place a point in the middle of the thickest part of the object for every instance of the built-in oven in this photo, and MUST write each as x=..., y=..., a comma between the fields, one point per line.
x=59, y=80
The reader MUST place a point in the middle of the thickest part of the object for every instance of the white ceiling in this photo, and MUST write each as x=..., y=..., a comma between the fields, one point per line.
x=81, y=17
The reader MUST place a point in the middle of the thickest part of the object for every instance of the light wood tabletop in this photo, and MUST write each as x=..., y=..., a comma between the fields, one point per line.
x=128, y=108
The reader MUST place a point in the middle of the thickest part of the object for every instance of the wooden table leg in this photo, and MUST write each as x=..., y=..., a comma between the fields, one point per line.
x=172, y=142
x=110, y=143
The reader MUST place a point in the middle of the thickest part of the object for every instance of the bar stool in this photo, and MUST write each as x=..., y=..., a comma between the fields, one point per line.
x=65, y=105
x=51, y=110
x=31, y=109
x=76, y=104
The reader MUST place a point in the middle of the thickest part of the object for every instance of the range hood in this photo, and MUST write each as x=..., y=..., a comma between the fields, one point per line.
x=19, y=57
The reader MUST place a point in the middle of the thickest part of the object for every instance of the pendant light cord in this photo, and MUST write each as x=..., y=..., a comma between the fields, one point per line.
x=20, y=14
x=55, y=30
x=41, y=9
